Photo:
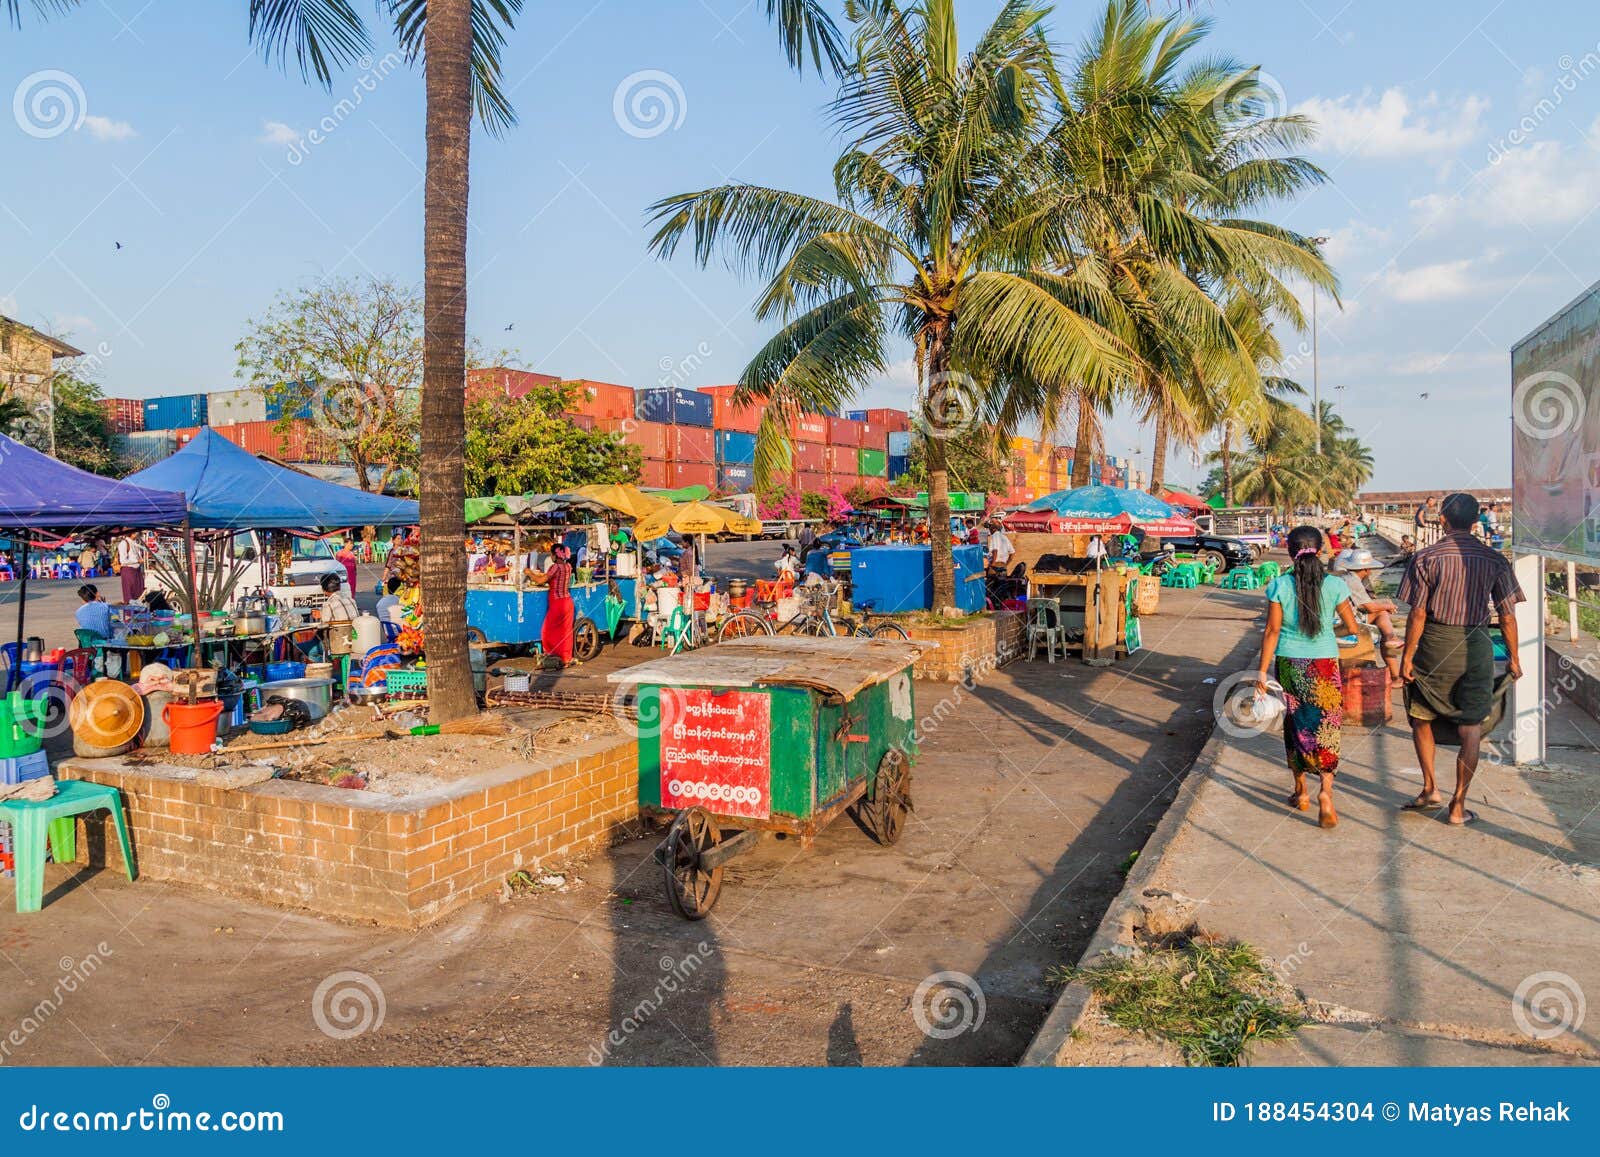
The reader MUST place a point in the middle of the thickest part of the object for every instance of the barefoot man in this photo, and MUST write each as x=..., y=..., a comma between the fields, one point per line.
x=1448, y=666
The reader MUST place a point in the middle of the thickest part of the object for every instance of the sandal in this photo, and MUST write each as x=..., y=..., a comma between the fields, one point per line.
x=1421, y=805
x=1467, y=817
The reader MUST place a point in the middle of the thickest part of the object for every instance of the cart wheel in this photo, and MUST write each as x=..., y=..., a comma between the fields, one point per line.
x=586, y=641
x=691, y=889
x=885, y=813
x=740, y=625
x=475, y=635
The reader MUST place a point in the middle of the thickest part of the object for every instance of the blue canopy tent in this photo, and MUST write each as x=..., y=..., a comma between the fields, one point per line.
x=229, y=488
x=38, y=492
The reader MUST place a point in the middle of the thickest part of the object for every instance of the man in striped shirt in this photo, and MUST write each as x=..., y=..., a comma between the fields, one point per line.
x=1448, y=665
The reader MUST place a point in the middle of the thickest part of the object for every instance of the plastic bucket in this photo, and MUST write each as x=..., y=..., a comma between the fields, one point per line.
x=193, y=726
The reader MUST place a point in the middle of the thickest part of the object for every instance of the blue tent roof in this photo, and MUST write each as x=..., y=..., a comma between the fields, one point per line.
x=1104, y=502
x=44, y=493
x=228, y=487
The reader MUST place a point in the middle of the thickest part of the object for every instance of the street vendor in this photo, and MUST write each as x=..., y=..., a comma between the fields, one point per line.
x=94, y=615
x=788, y=564
x=130, y=566
x=338, y=606
x=556, y=637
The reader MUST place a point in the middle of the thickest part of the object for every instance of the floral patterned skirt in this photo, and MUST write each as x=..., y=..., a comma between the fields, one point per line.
x=1314, y=694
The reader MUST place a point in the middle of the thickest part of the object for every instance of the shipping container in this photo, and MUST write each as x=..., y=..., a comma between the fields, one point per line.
x=123, y=415
x=895, y=421
x=856, y=415
x=681, y=474
x=653, y=472
x=874, y=436
x=840, y=460
x=498, y=381
x=673, y=406
x=811, y=457
x=900, y=443
x=602, y=399
x=899, y=466
x=872, y=463
x=810, y=428
x=225, y=407
x=292, y=401
x=736, y=478
x=844, y=432
x=735, y=447
x=650, y=437
x=174, y=412
x=691, y=444
x=727, y=415
x=144, y=448
x=811, y=481
x=582, y=421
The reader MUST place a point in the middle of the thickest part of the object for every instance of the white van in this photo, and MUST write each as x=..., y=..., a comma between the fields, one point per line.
x=309, y=560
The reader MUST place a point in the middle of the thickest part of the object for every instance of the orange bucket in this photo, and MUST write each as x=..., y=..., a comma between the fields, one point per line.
x=193, y=725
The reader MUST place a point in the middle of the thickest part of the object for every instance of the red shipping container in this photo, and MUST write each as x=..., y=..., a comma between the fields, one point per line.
x=727, y=416
x=692, y=474
x=874, y=435
x=582, y=421
x=653, y=472
x=691, y=444
x=844, y=432
x=601, y=399
x=811, y=428
x=123, y=415
x=811, y=457
x=811, y=481
x=894, y=421
x=497, y=381
x=650, y=437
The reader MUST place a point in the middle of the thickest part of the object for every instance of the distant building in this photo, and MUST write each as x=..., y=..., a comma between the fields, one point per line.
x=27, y=357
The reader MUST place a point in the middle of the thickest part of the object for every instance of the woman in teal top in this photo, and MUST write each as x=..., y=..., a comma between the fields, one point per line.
x=1303, y=607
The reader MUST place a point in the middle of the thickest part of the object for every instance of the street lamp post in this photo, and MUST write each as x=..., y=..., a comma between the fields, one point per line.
x=1316, y=382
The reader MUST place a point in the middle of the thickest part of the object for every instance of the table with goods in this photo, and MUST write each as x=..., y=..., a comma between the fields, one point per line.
x=770, y=734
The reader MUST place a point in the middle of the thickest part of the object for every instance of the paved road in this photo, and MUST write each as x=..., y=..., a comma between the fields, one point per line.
x=1032, y=792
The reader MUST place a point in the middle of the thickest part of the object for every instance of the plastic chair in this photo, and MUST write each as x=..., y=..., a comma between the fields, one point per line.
x=1267, y=571
x=56, y=819
x=79, y=663
x=12, y=654
x=1243, y=579
x=391, y=630
x=677, y=635
x=1044, y=623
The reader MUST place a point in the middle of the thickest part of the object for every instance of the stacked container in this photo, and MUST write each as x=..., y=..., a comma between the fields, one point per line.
x=601, y=400
x=726, y=415
x=225, y=407
x=123, y=415
x=145, y=447
x=506, y=383
x=674, y=407
x=174, y=411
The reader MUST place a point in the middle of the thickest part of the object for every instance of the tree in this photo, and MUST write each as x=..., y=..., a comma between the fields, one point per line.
x=83, y=436
x=16, y=415
x=528, y=445
x=934, y=238
x=349, y=352
x=972, y=460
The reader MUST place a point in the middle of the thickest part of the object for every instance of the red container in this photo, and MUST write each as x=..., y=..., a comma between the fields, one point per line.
x=582, y=421
x=874, y=435
x=498, y=381
x=601, y=399
x=650, y=437
x=844, y=432
x=691, y=444
x=653, y=472
x=123, y=415
x=893, y=421
x=811, y=428
x=811, y=481
x=692, y=474
x=1366, y=696
x=727, y=416
x=811, y=457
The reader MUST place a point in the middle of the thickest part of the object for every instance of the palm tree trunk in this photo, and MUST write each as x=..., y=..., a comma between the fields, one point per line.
x=1084, y=449
x=442, y=482
x=1227, y=463
x=944, y=563
x=1158, y=456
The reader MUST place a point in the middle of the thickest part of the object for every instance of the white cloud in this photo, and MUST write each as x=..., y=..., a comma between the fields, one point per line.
x=105, y=129
x=1354, y=239
x=277, y=133
x=1391, y=126
x=1441, y=281
x=1453, y=363
x=1544, y=183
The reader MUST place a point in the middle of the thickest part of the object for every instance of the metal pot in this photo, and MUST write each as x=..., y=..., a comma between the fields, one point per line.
x=250, y=623
x=360, y=696
x=316, y=694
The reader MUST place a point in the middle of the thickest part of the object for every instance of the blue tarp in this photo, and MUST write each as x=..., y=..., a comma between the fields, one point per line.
x=229, y=488
x=40, y=492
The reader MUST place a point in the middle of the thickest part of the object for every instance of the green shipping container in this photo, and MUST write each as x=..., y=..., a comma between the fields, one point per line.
x=872, y=463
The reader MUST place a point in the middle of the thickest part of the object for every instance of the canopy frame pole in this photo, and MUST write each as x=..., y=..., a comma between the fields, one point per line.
x=194, y=593
x=22, y=599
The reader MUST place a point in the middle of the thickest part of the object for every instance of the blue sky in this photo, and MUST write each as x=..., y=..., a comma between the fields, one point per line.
x=1463, y=139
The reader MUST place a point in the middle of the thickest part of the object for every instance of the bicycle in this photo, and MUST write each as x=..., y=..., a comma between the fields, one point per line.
x=815, y=617
x=884, y=629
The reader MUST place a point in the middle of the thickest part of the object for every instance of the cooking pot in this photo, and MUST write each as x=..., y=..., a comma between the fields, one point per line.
x=316, y=694
x=250, y=623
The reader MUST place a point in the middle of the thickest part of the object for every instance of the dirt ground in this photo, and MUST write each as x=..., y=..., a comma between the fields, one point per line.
x=1032, y=793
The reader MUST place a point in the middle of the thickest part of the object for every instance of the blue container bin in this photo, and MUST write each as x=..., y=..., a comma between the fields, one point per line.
x=894, y=579
x=22, y=768
x=737, y=478
x=900, y=443
x=175, y=412
x=735, y=448
x=674, y=407
x=278, y=671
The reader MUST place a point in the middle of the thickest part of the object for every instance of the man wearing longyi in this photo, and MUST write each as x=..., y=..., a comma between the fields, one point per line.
x=1448, y=666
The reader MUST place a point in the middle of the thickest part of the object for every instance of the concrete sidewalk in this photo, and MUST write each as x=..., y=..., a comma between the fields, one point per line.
x=1417, y=943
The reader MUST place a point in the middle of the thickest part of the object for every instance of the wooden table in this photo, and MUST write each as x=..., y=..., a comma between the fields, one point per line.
x=1094, y=602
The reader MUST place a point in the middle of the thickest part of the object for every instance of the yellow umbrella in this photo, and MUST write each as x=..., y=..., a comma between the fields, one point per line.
x=624, y=497
x=694, y=518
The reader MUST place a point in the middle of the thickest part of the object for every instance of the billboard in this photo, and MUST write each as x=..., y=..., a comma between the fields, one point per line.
x=1555, y=413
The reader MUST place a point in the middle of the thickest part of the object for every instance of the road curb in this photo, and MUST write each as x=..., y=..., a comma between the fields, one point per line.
x=1116, y=928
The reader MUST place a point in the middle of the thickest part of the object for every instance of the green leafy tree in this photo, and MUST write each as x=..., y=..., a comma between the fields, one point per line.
x=972, y=460
x=83, y=436
x=16, y=415
x=528, y=446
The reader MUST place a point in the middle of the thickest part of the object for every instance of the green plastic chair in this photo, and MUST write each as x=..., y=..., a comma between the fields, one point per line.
x=1243, y=579
x=56, y=819
x=1267, y=571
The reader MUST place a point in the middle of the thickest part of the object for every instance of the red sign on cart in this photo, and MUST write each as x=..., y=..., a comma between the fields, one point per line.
x=715, y=752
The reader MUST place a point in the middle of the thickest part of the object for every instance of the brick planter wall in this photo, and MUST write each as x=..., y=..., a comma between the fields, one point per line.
x=395, y=860
x=975, y=646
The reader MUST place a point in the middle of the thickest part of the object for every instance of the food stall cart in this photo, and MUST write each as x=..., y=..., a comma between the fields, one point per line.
x=512, y=616
x=769, y=734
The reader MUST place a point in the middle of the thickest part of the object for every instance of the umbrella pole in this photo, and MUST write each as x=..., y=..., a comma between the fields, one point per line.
x=194, y=594
x=22, y=599
x=516, y=554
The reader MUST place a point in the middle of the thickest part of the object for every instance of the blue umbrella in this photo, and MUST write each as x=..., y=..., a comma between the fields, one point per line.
x=1078, y=510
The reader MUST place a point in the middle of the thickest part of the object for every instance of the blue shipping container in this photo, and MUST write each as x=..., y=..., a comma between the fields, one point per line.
x=895, y=579
x=735, y=447
x=900, y=444
x=674, y=407
x=739, y=478
x=172, y=412
x=856, y=415
x=899, y=466
x=289, y=403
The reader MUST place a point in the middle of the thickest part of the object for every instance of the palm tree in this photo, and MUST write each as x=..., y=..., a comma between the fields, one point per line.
x=461, y=41
x=935, y=237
